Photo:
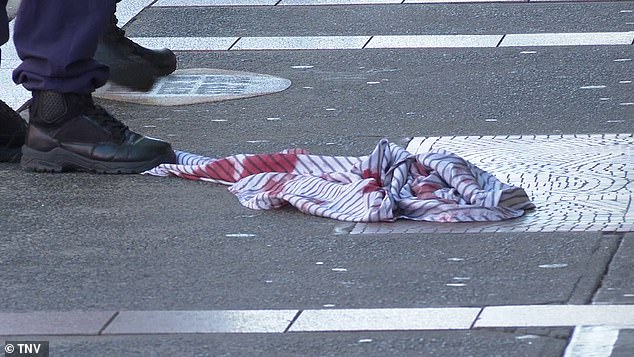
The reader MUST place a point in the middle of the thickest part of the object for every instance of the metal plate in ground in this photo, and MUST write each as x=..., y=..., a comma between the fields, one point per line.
x=578, y=182
x=199, y=85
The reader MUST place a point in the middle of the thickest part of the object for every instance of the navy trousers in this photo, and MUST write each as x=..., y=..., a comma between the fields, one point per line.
x=4, y=23
x=56, y=40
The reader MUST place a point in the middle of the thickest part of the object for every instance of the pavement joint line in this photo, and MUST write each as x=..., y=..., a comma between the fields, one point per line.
x=116, y=313
x=234, y=43
x=501, y=40
x=69, y=323
x=299, y=312
x=366, y=44
x=476, y=319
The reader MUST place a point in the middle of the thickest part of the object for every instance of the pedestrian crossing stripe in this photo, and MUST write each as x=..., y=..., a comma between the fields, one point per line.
x=386, y=41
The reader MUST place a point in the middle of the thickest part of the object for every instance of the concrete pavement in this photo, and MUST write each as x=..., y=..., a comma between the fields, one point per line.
x=115, y=246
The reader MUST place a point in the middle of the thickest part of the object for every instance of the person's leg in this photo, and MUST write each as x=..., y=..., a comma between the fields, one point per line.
x=131, y=64
x=4, y=23
x=12, y=127
x=56, y=40
x=163, y=59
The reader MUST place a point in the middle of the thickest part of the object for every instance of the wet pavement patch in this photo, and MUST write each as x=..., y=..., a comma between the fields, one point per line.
x=199, y=85
x=577, y=182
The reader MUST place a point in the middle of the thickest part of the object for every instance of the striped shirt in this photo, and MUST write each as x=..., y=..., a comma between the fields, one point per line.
x=386, y=185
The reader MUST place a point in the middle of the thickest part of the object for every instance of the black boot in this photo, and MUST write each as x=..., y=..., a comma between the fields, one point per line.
x=12, y=133
x=163, y=60
x=131, y=64
x=69, y=132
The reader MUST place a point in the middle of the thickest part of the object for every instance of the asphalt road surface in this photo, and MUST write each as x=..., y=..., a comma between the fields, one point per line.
x=138, y=265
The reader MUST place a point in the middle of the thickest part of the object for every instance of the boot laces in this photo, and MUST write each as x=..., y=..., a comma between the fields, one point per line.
x=105, y=119
x=117, y=34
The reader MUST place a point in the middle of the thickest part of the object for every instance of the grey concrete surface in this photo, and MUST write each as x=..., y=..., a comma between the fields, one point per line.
x=617, y=286
x=97, y=243
x=626, y=344
x=407, y=19
x=12, y=8
x=536, y=94
x=444, y=343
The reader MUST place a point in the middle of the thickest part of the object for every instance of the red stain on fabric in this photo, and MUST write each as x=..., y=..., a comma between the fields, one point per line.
x=275, y=185
x=222, y=169
x=371, y=185
x=280, y=162
x=426, y=190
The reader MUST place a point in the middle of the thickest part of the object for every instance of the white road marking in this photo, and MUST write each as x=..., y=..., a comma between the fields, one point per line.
x=434, y=41
x=53, y=322
x=455, y=1
x=188, y=43
x=385, y=319
x=220, y=321
x=301, y=43
x=338, y=2
x=328, y=319
x=595, y=341
x=185, y=3
x=556, y=315
x=384, y=41
x=568, y=39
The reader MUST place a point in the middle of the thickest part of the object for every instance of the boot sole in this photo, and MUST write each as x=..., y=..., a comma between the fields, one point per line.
x=10, y=155
x=60, y=160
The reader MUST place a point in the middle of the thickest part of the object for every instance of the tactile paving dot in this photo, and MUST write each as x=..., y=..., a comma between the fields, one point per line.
x=577, y=182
